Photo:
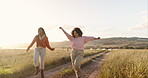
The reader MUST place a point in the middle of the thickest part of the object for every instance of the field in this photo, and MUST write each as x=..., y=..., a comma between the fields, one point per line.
x=125, y=64
x=122, y=63
x=16, y=63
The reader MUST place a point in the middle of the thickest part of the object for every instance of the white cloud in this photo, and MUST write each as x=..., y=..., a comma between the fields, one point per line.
x=145, y=17
x=142, y=25
x=142, y=12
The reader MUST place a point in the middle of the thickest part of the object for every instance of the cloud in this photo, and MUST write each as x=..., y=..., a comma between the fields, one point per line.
x=142, y=12
x=145, y=17
x=142, y=25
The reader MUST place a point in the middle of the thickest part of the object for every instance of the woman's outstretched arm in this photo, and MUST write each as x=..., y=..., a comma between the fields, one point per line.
x=97, y=38
x=33, y=41
x=68, y=36
x=87, y=38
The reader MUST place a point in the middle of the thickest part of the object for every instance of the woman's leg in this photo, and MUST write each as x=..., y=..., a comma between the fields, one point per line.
x=77, y=63
x=42, y=56
x=73, y=57
x=36, y=59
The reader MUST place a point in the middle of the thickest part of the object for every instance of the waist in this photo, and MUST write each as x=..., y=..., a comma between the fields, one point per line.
x=43, y=45
x=40, y=47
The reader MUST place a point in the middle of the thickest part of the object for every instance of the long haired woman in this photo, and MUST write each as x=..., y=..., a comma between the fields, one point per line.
x=42, y=42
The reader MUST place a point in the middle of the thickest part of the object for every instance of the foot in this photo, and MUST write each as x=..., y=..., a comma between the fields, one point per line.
x=42, y=73
x=36, y=70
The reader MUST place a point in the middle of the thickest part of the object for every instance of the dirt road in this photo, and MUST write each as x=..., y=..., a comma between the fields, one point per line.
x=91, y=70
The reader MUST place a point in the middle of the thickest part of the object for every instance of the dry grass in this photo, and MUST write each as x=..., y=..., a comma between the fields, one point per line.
x=16, y=63
x=125, y=64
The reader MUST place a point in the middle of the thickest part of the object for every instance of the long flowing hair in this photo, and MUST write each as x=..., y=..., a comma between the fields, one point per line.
x=42, y=30
x=38, y=33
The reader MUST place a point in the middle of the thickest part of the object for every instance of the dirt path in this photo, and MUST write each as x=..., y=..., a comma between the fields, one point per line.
x=97, y=63
x=51, y=72
x=89, y=70
x=92, y=70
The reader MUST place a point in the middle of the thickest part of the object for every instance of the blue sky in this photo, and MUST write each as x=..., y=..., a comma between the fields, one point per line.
x=20, y=19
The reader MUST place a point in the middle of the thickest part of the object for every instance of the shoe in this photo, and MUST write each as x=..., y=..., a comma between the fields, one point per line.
x=36, y=70
x=42, y=73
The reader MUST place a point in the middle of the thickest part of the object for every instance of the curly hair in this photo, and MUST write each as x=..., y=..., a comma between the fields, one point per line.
x=78, y=30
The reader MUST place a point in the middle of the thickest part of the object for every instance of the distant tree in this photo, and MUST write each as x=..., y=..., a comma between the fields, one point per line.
x=121, y=47
x=146, y=47
x=126, y=47
x=116, y=47
x=131, y=48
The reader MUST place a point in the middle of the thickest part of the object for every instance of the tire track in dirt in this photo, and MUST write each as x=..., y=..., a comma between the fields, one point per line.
x=96, y=69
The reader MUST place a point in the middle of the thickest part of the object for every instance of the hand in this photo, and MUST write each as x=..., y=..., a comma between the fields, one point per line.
x=52, y=49
x=60, y=28
x=98, y=37
x=27, y=50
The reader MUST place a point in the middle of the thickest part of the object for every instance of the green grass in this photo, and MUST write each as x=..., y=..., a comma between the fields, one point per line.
x=6, y=69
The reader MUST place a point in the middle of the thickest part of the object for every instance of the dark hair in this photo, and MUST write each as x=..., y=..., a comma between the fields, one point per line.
x=78, y=30
x=41, y=29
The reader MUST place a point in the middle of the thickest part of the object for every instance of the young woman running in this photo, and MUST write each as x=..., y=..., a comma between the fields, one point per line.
x=77, y=43
x=40, y=51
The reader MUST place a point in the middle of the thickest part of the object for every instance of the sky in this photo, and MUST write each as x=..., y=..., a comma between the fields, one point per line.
x=20, y=19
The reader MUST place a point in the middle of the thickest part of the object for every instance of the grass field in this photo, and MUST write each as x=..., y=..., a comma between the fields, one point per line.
x=125, y=64
x=16, y=63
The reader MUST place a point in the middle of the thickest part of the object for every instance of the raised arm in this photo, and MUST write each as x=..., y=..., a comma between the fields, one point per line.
x=33, y=41
x=68, y=36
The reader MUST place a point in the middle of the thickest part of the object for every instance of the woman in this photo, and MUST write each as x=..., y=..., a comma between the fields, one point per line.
x=77, y=43
x=40, y=51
